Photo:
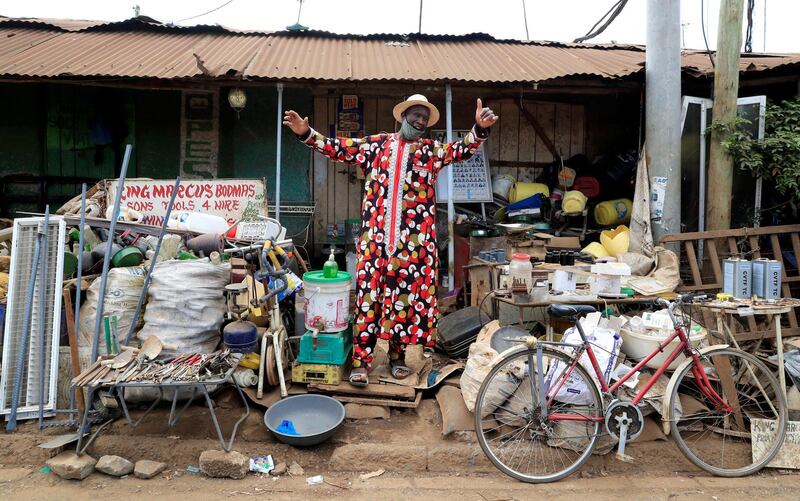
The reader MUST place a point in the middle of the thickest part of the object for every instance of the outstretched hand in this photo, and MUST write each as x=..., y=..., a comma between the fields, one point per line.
x=298, y=125
x=484, y=117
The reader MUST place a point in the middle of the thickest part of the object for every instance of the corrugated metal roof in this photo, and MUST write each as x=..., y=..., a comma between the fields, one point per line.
x=145, y=48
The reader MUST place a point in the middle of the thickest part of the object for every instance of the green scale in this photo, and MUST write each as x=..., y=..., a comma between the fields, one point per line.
x=330, y=348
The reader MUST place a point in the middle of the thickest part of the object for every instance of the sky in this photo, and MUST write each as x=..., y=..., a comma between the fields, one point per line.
x=556, y=20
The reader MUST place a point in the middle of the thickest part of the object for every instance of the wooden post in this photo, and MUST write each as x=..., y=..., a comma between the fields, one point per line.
x=726, y=90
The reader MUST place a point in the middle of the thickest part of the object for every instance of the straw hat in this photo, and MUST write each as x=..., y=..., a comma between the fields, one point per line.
x=416, y=99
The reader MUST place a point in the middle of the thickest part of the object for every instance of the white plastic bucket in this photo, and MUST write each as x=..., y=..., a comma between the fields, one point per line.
x=327, y=300
x=501, y=184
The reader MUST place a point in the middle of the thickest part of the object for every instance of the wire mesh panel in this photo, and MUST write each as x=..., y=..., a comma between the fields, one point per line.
x=49, y=287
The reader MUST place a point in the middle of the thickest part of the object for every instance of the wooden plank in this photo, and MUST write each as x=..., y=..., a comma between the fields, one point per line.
x=692, y=258
x=766, y=334
x=509, y=135
x=713, y=256
x=385, y=122
x=527, y=145
x=372, y=390
x=74, y=357
x=493, y=142
x=786, y=288
x=577, y=141
x=732, y=247
x=563, y=127
x=795, y=245
x=543, y=122
x=386, y=402
x=729, y=393
x=754, y=247
x=739, y=232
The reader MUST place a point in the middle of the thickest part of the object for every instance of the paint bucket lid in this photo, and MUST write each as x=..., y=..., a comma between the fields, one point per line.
x=319, y=277
x=129, y=256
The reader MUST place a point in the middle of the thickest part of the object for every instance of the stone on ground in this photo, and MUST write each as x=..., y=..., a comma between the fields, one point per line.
x=280, y=469
x=359, y=411
x=221, y=464
x=71, y=466
x=114, y=465
x=296, y=470
x=146, y=469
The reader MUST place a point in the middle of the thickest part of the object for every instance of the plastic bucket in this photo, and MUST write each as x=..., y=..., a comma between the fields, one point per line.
x=574, y=201
x=638, y=346
x=327, y=300
x=521, y=191
x=613, y=212
x=501, y=185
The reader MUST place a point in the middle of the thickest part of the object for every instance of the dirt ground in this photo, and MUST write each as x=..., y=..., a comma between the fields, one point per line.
x=419, y=464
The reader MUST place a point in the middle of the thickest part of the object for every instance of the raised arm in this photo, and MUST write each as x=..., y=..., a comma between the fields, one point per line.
x=338, y=149
x=465, y=147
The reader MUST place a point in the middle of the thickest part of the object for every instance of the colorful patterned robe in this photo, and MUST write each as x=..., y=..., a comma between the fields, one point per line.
x=397, y=257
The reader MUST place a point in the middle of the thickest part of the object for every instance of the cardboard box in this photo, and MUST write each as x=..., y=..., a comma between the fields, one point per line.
x=553, y=242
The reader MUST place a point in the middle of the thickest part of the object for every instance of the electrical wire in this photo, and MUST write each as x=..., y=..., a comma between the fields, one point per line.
x=612, y=14
x=205, y=13
x=748, y=39
x=703, y=27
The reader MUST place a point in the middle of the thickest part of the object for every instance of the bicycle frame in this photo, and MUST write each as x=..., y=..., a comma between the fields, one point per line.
x=684, y=347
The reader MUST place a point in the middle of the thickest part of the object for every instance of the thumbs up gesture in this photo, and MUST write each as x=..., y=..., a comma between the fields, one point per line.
x=484, y=117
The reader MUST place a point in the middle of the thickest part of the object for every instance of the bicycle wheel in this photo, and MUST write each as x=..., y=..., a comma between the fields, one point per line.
x=719, y=441
x=509, y=420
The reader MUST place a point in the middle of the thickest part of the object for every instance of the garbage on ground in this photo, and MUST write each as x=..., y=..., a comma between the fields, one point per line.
x=263, y=464
x=315, y=480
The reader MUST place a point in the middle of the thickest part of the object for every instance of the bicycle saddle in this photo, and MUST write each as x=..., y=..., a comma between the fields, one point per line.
x=569, y=310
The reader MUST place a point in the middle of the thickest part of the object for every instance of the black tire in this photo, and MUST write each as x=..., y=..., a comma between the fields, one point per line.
x=586, y=440
x=695, y=434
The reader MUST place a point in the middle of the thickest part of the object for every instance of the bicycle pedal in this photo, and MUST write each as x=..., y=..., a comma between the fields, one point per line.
x=624, y=458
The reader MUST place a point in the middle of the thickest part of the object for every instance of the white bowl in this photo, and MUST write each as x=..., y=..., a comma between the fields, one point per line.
x=638, y=346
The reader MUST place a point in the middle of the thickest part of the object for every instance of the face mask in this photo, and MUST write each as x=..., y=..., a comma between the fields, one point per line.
x=409, y=132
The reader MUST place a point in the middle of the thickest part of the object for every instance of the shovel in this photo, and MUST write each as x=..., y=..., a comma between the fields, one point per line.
x=150, y=349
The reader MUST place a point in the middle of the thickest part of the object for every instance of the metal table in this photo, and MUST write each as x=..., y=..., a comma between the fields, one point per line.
x=196, y=387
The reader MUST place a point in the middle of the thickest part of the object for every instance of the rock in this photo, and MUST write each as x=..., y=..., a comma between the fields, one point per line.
x=280, y=469
x=146, y=469
x=296, y=470
x=71, y=466
x=359, y=411
x=114, y=465
x=221, y=464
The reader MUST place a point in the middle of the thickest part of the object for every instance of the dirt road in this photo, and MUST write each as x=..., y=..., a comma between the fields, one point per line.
x=30, y=484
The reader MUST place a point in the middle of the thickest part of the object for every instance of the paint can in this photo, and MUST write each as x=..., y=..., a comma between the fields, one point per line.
x=767, y=276
x=742, y=279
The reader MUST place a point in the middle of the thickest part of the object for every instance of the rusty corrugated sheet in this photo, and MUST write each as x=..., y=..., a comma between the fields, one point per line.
x=144, y=48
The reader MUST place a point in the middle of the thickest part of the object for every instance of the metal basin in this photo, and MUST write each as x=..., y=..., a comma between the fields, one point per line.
x=315, y=418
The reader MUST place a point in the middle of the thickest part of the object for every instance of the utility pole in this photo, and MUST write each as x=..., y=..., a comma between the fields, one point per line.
x=663, y=114
x=726, y=90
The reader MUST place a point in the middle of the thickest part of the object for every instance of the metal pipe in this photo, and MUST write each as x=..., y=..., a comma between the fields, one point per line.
x=11, y=425
x=278, y=154
x=42, y=315
x=107, y=258
x=153, y=261
x=451, y=211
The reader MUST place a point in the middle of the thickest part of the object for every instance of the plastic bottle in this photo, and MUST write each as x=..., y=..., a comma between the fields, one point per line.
x=520, y=272
x=198, y=222
x=636, y=324
x=330, y=269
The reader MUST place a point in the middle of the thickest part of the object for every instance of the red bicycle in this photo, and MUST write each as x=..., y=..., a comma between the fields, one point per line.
x=540, y=411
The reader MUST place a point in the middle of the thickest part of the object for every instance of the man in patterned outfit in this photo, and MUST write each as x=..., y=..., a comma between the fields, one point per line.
x=397, y=254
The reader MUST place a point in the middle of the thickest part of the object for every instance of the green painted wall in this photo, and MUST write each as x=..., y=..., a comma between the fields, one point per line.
x=247, y=146
x=79, y=132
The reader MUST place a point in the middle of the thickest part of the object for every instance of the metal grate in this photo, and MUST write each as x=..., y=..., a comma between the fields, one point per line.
x=22, y=250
